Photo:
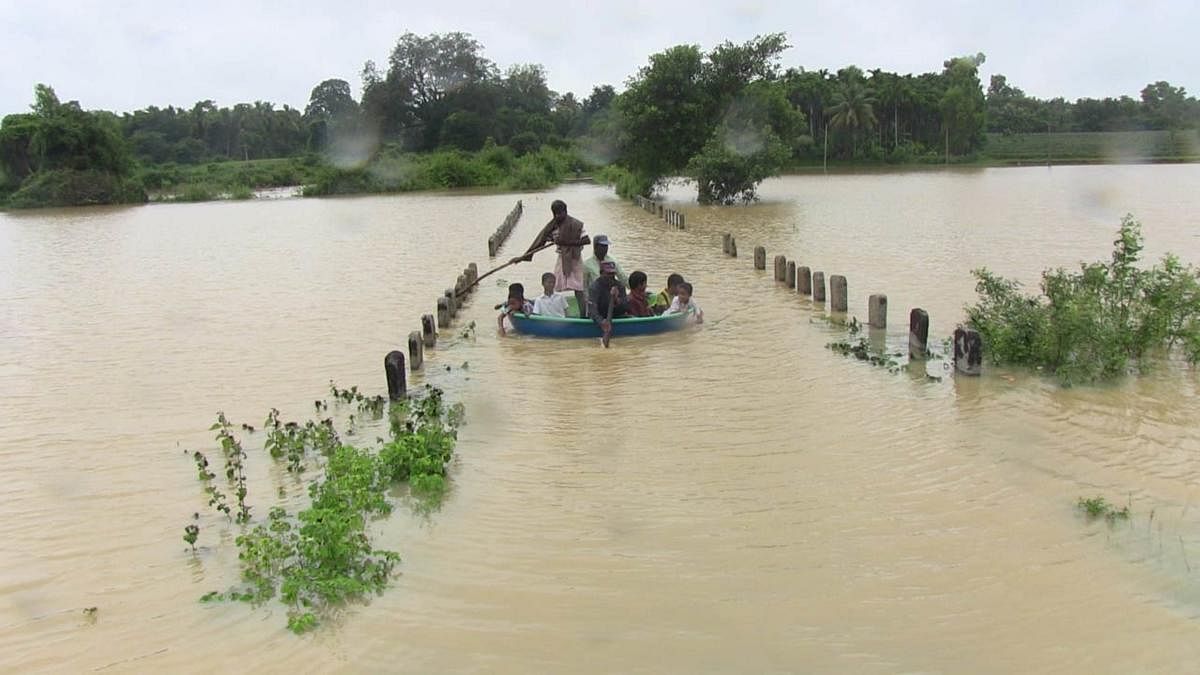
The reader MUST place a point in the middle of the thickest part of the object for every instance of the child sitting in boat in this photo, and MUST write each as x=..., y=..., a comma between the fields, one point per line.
x=662, y=300
x=551, y=303
x=683, y=303
x=516, y=303
x=639, y=303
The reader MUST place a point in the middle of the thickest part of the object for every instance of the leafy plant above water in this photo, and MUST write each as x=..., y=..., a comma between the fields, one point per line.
x=1095, y=508
x=322, y=556
x=1094, y=324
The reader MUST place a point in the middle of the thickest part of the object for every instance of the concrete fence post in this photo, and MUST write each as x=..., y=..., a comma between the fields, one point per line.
x=393, y=368
x=760, y=258
x=877, y=310
x=473, y=273
x=968, y=351
x=780, y=268
x=443, y=312
x=680, y=221
x=725, y=239
x=838, y=301
x=791, y=275
x=492, y=246
x=732, y=246
x=451, y=302
x=803, y=280
x=416, y=351
x=460, y=286
x=818, y=287
x=428, y=330
x=918, y=334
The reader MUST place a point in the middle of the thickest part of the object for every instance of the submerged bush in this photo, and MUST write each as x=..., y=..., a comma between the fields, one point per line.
x=1096, y=323
x=68, y=187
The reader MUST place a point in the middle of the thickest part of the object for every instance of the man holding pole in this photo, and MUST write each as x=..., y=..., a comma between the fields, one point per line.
x=567, y=233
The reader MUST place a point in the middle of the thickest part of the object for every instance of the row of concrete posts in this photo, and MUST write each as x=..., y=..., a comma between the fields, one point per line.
x=448, y=306
x=670, y=216
x=968, y=346
x=497, y=240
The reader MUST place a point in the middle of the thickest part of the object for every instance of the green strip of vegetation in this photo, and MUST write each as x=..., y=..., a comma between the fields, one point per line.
x=322, y=557
x=1095, y=508
x=1094, y=324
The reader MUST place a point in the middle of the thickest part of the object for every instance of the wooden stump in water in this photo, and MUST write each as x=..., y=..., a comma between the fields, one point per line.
x=838, y=302
x=918, y=334
x=443, y=312
x=760, y=258
x=393, y=368
x=416, y=351
x=428, y=330
x=877, y=310
x=818, y=287
x=803, y=280
x=968, y=351
x=791, y=275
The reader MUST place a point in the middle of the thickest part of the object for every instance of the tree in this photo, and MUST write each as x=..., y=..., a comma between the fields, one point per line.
x=1166, y=106
x=963, y=106
x=331, y=101
x=852, y=110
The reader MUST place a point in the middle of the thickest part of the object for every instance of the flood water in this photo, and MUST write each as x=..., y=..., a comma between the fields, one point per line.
x=732, y=499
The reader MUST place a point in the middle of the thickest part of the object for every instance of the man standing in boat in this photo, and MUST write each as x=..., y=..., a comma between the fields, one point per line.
x=567, y=232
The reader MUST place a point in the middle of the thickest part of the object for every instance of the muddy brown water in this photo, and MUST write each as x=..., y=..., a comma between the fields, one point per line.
x=731, y=499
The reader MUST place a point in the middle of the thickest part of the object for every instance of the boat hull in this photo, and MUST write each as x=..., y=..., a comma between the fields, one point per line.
x=555, y=327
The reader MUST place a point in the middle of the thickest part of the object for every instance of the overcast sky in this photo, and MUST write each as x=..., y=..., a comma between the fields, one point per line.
x=121, y=56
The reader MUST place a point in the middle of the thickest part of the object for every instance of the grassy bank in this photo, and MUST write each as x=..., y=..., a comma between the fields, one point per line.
x=226, y=180
x=1094, y=147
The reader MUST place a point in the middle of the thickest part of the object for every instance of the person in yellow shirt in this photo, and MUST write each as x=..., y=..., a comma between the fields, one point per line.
x=662, y=301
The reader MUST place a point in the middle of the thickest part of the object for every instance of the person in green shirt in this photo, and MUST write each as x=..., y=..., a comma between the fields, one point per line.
x=591, y=266
x=664, y=297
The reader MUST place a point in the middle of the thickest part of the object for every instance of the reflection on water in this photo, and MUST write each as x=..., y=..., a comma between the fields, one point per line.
x=733, y=498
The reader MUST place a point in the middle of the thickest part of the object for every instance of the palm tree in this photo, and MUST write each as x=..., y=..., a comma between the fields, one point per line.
x=852, y=109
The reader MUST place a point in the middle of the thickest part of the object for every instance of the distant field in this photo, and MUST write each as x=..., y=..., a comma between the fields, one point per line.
x=1106, y=146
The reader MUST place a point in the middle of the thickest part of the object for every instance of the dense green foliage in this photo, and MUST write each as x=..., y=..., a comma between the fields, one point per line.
x=1092, y=146
x=1096, y=323
x=1160, y=107
x=393, y=170
x=722, y=119
x=323, y=557
x=62, y=155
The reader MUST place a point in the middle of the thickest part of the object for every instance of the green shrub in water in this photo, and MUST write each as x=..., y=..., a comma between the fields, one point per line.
x=1096, y=323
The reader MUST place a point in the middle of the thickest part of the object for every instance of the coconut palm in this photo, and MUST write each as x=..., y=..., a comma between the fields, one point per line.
x=852, y=110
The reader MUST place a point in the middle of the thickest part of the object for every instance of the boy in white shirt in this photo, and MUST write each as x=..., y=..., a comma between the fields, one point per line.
x=551, y=303
x=683, y=303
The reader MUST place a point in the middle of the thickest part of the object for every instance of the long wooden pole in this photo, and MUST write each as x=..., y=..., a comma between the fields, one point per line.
x=510, y=262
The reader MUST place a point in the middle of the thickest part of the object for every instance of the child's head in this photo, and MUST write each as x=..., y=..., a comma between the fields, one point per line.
x=548, y=283
x=685, y=292
x=673, y=282
x=637, y=281
x=516, y=291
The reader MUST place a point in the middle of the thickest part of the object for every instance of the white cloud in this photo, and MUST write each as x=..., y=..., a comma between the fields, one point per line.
x=127, y=55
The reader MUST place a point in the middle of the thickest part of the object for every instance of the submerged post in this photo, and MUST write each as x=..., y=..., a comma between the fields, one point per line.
x=877, y=310
x=780, y=267
x=680, y=223
x=803, y=280
x=492, y=246
x=725, y=239
x=760, y=258
x=472, y=274
x=791, y=275
x=393, y=368
x=837, y=294
x=451, y=302
x=968, y=351
x=818, y=287
x=443, y=312
x=428, y=330
x=918, y=334
x=416, y=351
x=732, y=246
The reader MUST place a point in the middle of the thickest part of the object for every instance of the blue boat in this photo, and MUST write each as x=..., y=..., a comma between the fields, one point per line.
x=557, y=327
